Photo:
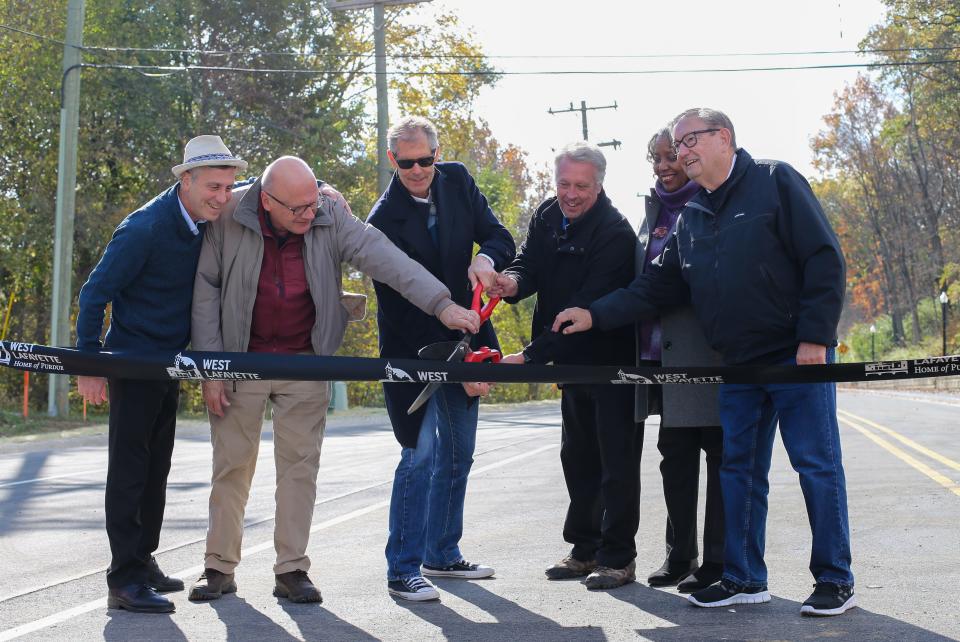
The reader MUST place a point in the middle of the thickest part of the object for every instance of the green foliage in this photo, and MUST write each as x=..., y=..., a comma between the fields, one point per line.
x=133, y=124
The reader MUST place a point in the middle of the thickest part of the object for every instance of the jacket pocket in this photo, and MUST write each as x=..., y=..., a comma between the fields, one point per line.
x=775, y=293
x=355, y=305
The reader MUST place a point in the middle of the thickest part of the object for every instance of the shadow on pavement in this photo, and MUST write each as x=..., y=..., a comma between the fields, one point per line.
x=245, y=622
x=513, y=621
x=317, y=623
x=123, y=625
x=778, y=619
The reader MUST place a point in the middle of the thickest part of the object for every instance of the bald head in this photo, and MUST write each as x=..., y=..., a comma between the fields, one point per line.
x=289, y=194
x=287, y=171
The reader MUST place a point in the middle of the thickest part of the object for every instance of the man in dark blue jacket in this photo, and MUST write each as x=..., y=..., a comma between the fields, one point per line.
x=147, y=273
x=763, y=269
x=435, y=213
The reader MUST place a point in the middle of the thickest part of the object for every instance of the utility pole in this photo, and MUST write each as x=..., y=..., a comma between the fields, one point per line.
x=583, y=109
x=57, y=403
x=384, y=171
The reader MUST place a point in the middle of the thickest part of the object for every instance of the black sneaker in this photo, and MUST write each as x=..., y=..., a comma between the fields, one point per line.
x=829, y=599
x=725, y=593
x=463, y=568
x=415, y=589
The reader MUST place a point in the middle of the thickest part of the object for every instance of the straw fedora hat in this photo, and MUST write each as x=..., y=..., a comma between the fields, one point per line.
x=207, y=150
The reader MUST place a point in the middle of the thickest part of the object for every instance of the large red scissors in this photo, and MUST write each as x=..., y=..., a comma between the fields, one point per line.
x=461, y=349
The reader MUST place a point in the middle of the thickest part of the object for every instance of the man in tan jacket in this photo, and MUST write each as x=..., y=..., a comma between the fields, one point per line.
x=269, y=280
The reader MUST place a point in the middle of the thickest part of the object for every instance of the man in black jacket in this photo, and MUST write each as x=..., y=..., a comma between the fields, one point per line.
x=579, y=248
x=764, y=271
x=435, y=213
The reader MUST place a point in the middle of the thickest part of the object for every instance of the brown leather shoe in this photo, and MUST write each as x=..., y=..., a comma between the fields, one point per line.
x=604, y=577
x=570, y=567
x=296, y=587
x=211, y=585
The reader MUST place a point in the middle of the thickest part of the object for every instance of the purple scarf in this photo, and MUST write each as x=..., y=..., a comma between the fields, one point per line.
x=674, y=201
x=671, y=204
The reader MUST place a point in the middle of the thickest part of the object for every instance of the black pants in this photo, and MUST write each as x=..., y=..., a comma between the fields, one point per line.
x=600, y=454
x=143, y=417
x=680, y=469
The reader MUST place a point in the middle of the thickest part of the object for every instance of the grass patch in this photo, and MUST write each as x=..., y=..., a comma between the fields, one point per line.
x=13, y=424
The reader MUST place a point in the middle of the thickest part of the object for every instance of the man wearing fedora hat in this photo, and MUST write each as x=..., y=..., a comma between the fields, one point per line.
x=147, y=273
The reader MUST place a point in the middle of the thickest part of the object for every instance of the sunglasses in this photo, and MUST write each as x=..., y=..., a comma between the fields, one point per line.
x=407, y=163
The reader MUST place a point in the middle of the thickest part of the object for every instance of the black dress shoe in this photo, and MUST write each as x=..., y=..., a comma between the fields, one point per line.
x=158, y=581
x=707, y=575
x=138, y=598
x=671, y=573
x=296, y=587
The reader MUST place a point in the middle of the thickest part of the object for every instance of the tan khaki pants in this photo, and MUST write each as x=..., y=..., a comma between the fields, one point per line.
x=299, y=418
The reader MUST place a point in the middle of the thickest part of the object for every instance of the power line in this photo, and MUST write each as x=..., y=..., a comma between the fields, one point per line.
x=555, y=72
x=33, y=35
x=441, y=56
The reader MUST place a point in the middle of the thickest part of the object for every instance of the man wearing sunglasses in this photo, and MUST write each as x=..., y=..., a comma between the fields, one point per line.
x=435, y=213
x=269, y=280
x=765, y=275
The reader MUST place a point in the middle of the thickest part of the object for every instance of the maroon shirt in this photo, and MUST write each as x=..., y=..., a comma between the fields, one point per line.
x=283, y=313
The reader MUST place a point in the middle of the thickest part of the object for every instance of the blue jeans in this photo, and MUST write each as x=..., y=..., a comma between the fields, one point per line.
x=429, y=486
x=811, y=436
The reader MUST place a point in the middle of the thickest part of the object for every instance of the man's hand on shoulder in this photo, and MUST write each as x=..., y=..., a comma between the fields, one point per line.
x=333, y=195
x=481, y=269
x=811, y=354
x=215, y=396
x=579, y=320
x=504, y=286
x=92, y=389
x=457, y=317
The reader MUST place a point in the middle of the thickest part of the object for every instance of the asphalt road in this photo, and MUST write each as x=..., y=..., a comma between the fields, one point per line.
x=902, y=456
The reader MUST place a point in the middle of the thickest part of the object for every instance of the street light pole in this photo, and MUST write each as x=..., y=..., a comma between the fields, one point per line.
x=944, y=304
x=384, y=172
x=62, y=295
x=873, y=342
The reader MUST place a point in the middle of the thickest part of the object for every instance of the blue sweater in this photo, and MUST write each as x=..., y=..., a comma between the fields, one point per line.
x=147, y=272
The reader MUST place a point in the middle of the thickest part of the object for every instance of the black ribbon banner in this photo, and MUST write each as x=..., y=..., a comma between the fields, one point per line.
x=235, y=366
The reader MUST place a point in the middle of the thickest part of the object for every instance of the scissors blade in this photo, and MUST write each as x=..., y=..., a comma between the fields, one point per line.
x=458, y=353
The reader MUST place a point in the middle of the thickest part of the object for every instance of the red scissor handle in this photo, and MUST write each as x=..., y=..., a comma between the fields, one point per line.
x=483, y=354
x=487, y=308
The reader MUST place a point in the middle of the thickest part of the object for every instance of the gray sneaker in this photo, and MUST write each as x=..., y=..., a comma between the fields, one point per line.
x=569, y=568
x=604, y=577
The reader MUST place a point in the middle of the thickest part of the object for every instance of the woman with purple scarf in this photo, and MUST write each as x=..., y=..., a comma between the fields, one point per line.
x=689, y=417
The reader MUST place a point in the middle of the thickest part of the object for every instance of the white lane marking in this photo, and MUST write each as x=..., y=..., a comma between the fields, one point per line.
x=86, y=607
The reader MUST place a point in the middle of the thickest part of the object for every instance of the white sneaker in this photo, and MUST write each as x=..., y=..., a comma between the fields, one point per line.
x=415, y=589
x=463, y=569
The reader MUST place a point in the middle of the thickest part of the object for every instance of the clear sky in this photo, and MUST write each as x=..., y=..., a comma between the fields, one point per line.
x=775, y=113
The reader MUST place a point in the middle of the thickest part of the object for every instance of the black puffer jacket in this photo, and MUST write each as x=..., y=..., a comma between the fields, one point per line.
x=759, y=262
x=573, y=267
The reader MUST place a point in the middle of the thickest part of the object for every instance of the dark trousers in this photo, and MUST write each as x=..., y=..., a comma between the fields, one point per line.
x=680, y=469
x=143, y=417
x=600, y=454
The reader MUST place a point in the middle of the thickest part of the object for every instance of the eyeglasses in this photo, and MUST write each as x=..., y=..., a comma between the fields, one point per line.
x=689, y=140
x=670, y=158
x=426, y=161
x=299, y=210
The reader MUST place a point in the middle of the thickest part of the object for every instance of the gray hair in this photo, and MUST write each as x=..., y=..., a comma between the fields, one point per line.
x=664, y=132
x=712, y=117
x=407, y=129
x=583, y=152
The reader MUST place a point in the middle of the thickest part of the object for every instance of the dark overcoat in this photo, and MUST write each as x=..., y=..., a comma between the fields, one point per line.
x=682, y=344
x=464, y=218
